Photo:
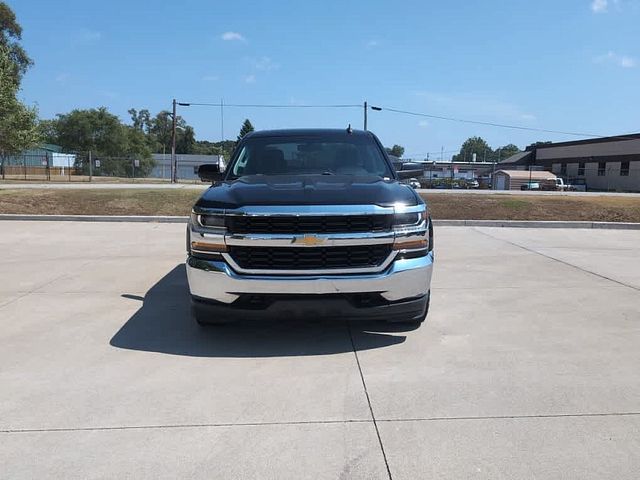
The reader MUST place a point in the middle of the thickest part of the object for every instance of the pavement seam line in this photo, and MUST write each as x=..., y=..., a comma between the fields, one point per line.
x=604, y=277
x=35, y=289
x=512, y=417
x=366, y=393
x=315, y=422
x=186, y=425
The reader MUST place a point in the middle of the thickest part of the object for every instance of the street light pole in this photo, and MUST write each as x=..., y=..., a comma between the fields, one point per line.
x=174, y=163
x=365, y=115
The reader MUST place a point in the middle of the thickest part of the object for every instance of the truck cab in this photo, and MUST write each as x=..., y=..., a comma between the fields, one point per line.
x=556, y=184
x=309, y=223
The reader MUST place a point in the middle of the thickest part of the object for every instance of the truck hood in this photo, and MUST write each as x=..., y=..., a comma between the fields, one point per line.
x=307, y=190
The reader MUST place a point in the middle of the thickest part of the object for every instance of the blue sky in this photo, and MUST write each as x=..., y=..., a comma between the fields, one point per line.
x=571, y=65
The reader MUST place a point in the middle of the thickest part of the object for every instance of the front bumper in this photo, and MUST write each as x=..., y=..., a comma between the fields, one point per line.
x=215, y=281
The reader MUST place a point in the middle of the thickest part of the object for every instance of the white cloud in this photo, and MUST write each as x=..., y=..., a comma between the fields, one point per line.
x=474, y=105
x=265, y=64
x=86, y=37
x=627, y=62
x=233, y=36
x=373, y=43
x=614, y=58
x=249, y=79
x=423, y=124
x=109, y=94
x=62, y=77
x=599, y=6
x=603, y=6
x=210, y=78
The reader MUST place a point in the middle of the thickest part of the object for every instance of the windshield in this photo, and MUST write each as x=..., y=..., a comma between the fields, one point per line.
x=291, y=155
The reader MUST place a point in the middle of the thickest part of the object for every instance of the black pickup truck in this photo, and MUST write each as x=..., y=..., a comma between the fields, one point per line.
x=309, y=223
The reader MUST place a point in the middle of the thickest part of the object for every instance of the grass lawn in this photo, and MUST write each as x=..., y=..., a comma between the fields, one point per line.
x=535, y=207
x=443, y=206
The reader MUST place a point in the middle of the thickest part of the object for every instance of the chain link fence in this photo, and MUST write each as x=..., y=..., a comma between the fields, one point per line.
x=86, y=167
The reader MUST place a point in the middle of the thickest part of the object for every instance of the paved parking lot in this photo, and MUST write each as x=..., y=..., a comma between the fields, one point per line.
x=528, y=367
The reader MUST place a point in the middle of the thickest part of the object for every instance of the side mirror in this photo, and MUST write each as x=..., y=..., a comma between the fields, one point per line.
x=210, y=172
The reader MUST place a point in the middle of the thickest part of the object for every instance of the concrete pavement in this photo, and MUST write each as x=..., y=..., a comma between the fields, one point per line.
x=527, y=366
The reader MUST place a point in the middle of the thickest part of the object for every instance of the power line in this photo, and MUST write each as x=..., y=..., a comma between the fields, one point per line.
x=264, y=105
x=489, y=124
x=407, y=112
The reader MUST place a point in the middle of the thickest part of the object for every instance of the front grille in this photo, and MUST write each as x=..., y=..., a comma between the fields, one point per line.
x=242, y=224
x=314, y=258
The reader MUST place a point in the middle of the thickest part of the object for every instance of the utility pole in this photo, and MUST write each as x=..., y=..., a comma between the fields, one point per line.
x=441, y=154
x=221, y=120
x=365, y=115
x=90, y=166
x=493, y=185
x=174, y=162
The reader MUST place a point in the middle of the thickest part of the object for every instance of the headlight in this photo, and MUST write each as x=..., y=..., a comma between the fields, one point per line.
x=404, y=219
x=215, y=221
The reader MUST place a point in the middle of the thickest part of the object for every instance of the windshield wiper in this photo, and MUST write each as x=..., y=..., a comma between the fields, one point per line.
x=328, y=172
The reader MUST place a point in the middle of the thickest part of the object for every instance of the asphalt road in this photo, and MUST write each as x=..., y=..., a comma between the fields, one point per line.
x=528, y=367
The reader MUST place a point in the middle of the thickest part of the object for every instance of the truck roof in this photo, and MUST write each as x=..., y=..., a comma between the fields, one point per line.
x=308, y=132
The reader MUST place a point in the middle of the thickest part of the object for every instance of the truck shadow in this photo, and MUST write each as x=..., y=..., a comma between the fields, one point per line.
x=163, y=324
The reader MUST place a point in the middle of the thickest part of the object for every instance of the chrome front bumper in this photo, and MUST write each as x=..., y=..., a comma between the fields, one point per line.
x=403, y=279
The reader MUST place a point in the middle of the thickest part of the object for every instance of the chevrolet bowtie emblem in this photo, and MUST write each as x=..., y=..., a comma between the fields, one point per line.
x=309, y=240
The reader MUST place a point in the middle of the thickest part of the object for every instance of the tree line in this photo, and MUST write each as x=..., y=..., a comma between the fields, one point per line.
x=99, y=130
x=18, y=122
x=483, y=151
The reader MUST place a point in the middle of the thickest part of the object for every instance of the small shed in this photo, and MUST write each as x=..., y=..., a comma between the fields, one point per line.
x=514, y=179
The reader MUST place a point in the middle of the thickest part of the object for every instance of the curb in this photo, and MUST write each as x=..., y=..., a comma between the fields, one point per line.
x=437, y=223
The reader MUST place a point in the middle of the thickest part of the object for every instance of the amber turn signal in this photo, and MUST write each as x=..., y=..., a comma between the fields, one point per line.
x=209, y=247
x=410, y=244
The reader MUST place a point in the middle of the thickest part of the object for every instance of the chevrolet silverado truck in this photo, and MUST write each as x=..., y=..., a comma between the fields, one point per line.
x=309, y=223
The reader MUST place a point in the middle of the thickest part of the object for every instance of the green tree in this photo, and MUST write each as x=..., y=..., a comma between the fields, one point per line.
x=396, y=151
x=537, y=144
x=141, y=120
x=506, y=151
x=10, y=36
x=161, y=131
x=473, y=145
x=95, y=129
x=137, y=148
x=48, y=131
x=117, y=146
x=186, y=141
x=18, y=126
x=246, y=128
